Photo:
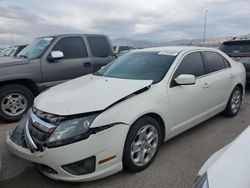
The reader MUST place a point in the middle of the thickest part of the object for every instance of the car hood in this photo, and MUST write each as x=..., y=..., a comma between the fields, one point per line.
x=232, y=168
x=9, y=61
x=87, y=94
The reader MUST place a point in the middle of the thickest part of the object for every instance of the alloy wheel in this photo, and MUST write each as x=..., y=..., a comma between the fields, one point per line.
x=144, y=145
x=235, y=101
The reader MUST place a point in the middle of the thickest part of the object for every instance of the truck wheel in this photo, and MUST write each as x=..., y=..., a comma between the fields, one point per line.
x=15, y=100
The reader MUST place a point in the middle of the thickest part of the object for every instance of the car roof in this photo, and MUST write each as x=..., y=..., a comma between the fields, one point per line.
x=176, y=49
x=67, y=35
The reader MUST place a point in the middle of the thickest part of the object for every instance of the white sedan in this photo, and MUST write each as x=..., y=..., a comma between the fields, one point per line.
x=229, y=167
x=116, y=118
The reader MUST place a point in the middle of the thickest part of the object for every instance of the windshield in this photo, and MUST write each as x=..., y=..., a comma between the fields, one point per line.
x=139, y=66
x=36, y=48
x=235, y=48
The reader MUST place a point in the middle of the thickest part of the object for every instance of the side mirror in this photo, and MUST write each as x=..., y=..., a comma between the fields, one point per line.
x=185, y=79
x=55, y=55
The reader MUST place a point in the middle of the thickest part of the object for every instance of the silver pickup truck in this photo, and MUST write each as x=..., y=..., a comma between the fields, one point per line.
x=45, y=62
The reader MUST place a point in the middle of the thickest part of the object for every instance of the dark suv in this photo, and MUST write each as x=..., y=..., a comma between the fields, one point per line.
x=45, y=62
x=239, y=50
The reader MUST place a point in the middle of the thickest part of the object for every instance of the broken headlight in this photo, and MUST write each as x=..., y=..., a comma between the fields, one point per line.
x=71, y=131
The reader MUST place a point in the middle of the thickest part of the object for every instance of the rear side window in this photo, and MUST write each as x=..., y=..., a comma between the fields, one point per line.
x=99, y=46
x=214, y=61
x=72, y=47
x=191, y=64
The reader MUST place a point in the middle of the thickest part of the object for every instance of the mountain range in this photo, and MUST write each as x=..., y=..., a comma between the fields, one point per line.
x=182, y=42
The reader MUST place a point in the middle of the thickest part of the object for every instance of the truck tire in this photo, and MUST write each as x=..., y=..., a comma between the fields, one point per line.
x=15, y=100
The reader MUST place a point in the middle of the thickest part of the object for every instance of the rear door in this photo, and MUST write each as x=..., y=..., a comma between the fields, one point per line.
x=76, y=61
x=101, y=51
x=220, y=77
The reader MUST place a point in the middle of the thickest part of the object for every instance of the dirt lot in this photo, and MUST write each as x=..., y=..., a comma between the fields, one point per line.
x=176, y=165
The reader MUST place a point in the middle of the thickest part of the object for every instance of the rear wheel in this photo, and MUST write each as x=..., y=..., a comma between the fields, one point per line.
x=234, y=102
x=15, y=100
x=142, y=144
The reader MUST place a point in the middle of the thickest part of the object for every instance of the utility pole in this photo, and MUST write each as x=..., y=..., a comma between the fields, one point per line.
x=205, y=27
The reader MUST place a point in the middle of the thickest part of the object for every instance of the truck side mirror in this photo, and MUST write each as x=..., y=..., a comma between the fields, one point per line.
x=55, y=55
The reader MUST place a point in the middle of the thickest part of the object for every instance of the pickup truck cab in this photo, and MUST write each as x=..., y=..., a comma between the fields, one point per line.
x=45, y=62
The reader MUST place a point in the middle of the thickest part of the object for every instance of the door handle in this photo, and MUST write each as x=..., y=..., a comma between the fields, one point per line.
x=87, y=64
x=206, y=85
x=232, y=75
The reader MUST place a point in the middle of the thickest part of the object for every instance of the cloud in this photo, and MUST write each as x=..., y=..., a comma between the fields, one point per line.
x=156, y=20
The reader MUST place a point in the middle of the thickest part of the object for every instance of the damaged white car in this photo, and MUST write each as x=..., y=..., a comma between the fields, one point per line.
x=229, y=167
x=116, y=119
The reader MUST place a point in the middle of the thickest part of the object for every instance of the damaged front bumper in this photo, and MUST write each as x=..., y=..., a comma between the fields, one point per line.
x=52, y=161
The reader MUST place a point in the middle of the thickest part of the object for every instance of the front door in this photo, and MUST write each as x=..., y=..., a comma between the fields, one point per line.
x=188, y=103
x=75, y=62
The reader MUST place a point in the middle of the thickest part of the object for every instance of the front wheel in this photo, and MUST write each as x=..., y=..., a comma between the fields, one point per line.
x=234, y=102
x=15, y=100
x=142, y=144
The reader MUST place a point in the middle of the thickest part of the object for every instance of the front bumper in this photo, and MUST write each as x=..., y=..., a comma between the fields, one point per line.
x=102, y=145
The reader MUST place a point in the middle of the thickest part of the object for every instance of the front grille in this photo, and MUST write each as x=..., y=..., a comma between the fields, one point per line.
x=47, y=117
x=38, y=136
x=38, y=129
x=18, y=134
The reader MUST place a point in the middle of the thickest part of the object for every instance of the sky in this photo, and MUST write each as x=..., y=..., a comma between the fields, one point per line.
x=21, y=21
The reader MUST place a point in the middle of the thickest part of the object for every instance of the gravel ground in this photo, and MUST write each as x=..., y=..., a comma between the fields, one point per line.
x=176, y=165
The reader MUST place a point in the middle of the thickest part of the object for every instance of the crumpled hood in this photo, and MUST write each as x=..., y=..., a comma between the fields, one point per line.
x=87, y=94
x=232, y=168
x=9, y=61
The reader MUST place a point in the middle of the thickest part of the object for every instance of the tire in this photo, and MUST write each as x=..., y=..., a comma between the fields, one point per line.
x=15, y=100
x=234, y=103
x=131, y=159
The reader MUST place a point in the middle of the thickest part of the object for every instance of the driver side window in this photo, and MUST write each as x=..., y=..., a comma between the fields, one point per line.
x=191, y=64
x=72, y=47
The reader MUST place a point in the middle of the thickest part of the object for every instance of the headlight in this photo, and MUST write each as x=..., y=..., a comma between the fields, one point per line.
x=71, y=131
x=202, y=182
